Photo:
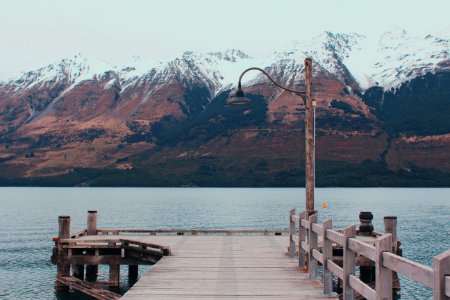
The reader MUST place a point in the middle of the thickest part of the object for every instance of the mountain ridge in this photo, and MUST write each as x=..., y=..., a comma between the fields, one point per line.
x=85, y=113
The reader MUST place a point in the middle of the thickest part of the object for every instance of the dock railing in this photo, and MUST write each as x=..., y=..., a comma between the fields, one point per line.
x=305, y=234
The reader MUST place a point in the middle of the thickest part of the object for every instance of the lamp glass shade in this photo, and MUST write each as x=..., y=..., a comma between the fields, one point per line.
x=239, y=99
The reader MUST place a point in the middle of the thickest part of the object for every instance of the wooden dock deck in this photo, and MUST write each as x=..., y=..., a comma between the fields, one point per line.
x=246, y=264
x=226, y=267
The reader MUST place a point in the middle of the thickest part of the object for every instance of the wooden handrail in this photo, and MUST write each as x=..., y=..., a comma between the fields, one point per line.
x=309, y=231
x=191, y=231
x=415, y=271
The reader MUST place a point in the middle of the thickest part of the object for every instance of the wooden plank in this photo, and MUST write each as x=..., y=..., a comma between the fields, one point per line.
x=197, y=231
x=305, y=223
x=251, y=267
x=335, y=269
x=335, y=236
x=317, y=228
x=88, y=288
x=305, y=246
x=362, y=288
x=362, y=248
x=415, y=271
x=317, y=255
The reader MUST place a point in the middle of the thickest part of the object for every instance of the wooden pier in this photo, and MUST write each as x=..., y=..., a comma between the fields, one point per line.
x=244, y=264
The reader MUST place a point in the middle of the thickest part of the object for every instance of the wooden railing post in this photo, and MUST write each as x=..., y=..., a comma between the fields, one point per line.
x=301, y=238
x=327, y=251
x=349, y=262
x=441, y=268
x=390, y=226
x=62, y=267
x=383, y=275
x=313, y=244
x=291, y=233
x=92, y=222
x=91, y=270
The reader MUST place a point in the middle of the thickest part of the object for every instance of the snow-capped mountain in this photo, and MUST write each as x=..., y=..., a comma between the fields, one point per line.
x=350, y=58
x=396, y=57
x=140, y=89
x=84, y=112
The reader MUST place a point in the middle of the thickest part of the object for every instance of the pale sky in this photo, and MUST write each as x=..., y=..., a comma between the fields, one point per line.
x=36, y=33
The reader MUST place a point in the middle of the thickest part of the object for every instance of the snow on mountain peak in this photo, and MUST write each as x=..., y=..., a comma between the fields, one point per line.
x=388, y=60
x=68, y=71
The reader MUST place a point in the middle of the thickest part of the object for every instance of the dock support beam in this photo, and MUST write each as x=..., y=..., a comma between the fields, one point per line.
x=114, y=274
x=62, y=267
x=78, y=271
x=133, y=272
x=91, y=270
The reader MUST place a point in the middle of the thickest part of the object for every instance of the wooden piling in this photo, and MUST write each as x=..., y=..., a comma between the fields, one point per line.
x=92, y=270
x=133, y=272
x=114, y=274
x=62, y=266
x=78, y=271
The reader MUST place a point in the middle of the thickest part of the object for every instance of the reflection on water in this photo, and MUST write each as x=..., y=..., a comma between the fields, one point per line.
x=28, y=221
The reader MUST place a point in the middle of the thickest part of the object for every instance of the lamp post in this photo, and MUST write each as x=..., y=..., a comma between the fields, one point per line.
x=240, y=99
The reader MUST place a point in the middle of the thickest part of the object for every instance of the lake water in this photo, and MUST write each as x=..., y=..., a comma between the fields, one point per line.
x=28, y=221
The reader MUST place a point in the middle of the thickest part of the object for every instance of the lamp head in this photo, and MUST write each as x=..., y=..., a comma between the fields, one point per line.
x=238, y=99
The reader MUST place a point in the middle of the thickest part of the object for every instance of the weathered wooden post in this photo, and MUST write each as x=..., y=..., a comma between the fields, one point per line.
x=367, y=273
x=92, y=270
x=301, y=238
x=92, y=222
x=291, y=233
x=114, y=274
x=390, y=226
x=309, y=139
x=327, y=251
x=62, y=266
x=133, y=272
x=313, y=244
x=78, y=271
x=383, y=275
x=349, y=262
x=441, y=269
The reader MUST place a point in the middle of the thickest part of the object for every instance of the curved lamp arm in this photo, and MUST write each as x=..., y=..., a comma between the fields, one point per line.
x=298, y=93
